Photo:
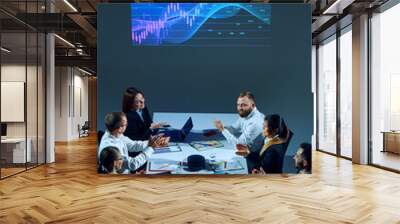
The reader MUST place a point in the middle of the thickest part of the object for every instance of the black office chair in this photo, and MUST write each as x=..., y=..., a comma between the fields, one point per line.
x=86, y=126
x=100, y=169
x=99, y=136
x=286, y=146
x=84, y=129
x=288, y=140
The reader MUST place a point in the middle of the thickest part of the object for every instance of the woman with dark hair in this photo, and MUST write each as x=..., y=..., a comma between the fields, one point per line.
x=111, y=161
x=270, y=157
x=140, y=123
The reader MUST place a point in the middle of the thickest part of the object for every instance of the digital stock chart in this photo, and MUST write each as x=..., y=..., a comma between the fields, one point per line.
x=200, y=24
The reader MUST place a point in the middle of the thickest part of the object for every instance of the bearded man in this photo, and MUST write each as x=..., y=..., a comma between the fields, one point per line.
x=247, y=130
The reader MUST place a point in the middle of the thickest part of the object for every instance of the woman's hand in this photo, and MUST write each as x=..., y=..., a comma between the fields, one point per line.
x=219, y=125
x=141, y=172
x=256, y=171
x=153, y=139
x=242, y=150
x=158, y=141
x=162, y=142
x=157, y=125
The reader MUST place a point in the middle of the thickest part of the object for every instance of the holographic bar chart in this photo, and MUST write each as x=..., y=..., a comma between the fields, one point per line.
x=200, y=24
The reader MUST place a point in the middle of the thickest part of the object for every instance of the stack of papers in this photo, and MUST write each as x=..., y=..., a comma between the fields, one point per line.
x=205, y=145
x=172, y=147
x=163, y=165
x=234, y=164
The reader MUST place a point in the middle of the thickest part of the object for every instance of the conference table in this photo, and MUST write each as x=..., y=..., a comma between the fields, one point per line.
x=173, y=160
x=219, y=154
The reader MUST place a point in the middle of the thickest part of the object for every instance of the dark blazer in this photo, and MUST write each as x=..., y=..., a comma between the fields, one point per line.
x=271, y=160
x=138, y=129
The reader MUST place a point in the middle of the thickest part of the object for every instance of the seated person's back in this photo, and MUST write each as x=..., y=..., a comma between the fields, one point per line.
x=273, y=152
x=272, y=159
x=271, y=156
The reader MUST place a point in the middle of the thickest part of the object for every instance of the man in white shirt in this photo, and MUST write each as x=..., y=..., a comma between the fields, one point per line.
x=116, y=123
x=247, y=130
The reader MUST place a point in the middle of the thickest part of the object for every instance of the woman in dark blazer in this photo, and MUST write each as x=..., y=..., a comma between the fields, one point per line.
x=270, y=158
x=140, y=123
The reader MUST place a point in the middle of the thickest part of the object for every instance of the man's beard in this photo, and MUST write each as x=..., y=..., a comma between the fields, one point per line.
x=244, y=113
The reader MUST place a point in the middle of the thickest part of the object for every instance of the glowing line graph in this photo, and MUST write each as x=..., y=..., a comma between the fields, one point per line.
x=174, y=23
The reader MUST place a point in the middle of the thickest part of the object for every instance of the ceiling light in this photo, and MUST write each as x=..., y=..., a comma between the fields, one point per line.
x=331, y=7
x=64, y=40
x=5, y=50
x=84, y=71
x=70, y=5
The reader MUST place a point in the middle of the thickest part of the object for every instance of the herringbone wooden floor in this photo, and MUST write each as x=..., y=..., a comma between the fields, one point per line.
x=70, y=191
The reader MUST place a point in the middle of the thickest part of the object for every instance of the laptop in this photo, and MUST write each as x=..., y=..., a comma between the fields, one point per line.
x=177, y=135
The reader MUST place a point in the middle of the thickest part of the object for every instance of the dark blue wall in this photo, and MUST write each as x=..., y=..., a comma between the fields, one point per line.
x=208, y=79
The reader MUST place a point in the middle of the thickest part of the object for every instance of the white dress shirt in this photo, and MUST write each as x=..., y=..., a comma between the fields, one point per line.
x=125, y=145
x=247, y=131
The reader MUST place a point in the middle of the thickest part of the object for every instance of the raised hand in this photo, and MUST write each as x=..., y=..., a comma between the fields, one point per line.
x=157, y=125
x=218, y=124
x=242, y=150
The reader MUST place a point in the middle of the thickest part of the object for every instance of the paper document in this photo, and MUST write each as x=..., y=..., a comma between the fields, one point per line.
x=172, y=147
x=163, y=165
x=205, y=145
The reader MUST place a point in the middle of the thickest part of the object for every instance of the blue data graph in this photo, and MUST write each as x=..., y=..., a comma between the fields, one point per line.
x=200, y=24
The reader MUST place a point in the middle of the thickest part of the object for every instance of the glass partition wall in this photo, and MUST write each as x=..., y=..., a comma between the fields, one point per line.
x=345, y=91
x=327, y=76
x=22, y=88
x=334, y=94
x=385, y=89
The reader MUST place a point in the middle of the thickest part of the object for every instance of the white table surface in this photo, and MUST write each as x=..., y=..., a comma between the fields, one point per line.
x=201, y=121
x=225, y=153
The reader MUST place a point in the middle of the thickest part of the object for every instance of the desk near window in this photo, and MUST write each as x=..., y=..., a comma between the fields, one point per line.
x=13, y=150
x=391, y=141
